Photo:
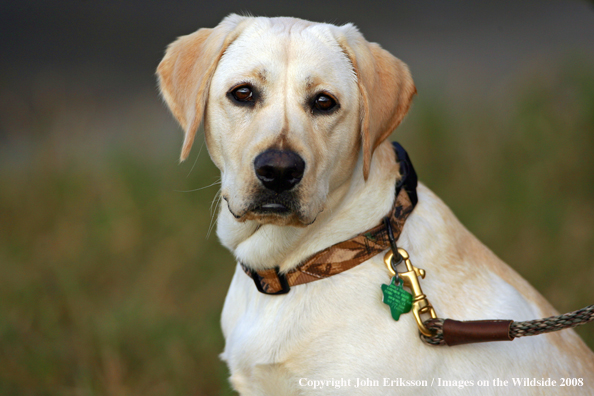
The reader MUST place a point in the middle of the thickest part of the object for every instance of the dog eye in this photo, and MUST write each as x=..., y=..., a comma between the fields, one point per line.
x=243, y=94
x=324, y=103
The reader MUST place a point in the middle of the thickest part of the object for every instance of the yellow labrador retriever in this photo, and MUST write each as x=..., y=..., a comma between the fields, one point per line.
x=296, y=116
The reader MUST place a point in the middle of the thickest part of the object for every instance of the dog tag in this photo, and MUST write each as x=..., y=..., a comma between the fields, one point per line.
x=398, y=299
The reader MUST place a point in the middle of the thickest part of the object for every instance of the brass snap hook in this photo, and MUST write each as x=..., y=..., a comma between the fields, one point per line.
x=410, y=278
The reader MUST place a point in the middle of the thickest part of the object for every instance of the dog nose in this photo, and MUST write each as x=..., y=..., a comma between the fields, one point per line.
x=279, y=170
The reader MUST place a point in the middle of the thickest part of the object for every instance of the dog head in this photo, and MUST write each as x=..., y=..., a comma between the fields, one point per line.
x=289, y=108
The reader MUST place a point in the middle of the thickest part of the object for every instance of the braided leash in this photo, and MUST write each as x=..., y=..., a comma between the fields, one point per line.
x=522, y=329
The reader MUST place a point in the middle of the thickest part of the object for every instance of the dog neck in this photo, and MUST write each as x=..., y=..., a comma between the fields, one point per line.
x=266, y=246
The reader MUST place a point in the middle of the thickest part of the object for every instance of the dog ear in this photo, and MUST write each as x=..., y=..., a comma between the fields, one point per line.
x=185, y=72
x=386, y=89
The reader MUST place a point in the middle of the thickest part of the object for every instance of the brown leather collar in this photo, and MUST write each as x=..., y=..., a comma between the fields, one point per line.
x=350, y=253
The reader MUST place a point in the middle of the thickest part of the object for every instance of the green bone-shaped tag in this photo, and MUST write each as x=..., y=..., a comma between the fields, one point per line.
x=398, y=299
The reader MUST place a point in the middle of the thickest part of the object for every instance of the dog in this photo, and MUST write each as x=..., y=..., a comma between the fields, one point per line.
x=297, y=117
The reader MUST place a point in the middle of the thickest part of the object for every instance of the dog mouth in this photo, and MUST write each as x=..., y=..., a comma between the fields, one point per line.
x=272, y=208
x=277, y=204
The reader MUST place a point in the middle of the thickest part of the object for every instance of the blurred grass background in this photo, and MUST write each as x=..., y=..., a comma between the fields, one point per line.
x=110, y=283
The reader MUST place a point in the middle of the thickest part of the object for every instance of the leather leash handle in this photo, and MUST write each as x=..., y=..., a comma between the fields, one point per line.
x=456, y=332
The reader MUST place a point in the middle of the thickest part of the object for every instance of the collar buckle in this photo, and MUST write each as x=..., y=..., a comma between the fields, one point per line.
x=263, y=286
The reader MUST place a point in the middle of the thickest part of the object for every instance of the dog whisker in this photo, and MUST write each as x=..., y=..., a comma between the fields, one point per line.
x=216, y=202
x=201, y=188
x=197, y=156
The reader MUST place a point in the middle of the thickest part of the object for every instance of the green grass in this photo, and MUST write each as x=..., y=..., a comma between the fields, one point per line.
x=109, y=285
